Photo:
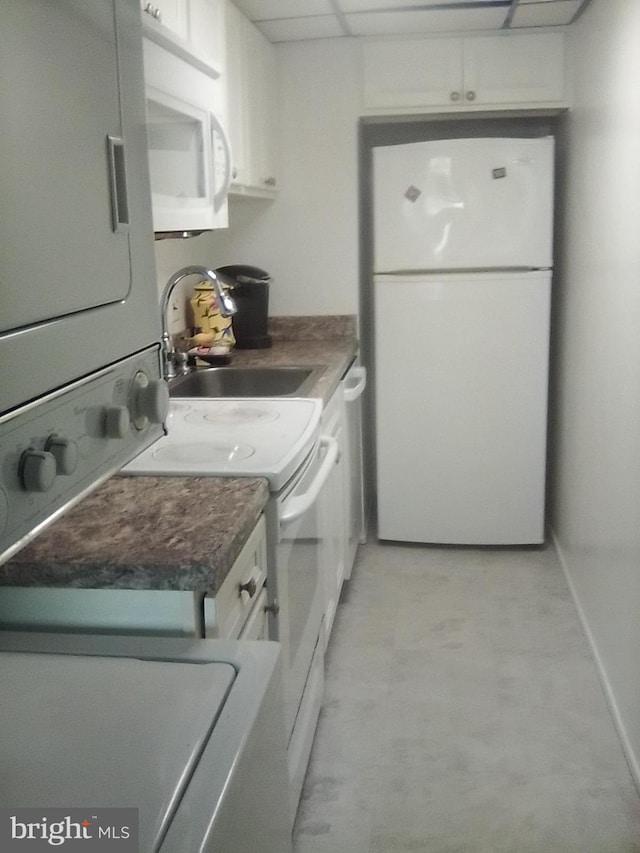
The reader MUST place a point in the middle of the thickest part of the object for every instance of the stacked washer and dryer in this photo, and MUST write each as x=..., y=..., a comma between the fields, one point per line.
x=188, y=734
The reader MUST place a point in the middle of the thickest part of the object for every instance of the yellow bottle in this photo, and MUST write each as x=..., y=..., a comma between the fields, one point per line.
x=215, y=330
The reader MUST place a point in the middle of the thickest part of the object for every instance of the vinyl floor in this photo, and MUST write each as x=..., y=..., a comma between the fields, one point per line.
x=463, y=714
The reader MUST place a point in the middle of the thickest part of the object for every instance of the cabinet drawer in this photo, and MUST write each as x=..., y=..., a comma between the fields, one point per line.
x=226, y=613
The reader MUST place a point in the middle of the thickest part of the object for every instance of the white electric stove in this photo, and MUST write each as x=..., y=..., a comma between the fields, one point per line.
x=279, y=439
x=253, y=437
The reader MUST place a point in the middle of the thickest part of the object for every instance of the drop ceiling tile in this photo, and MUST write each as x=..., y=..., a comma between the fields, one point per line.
x=390, y=5
x=545, y=13
x=301, y=29
x=436, y=20
x=266, y=10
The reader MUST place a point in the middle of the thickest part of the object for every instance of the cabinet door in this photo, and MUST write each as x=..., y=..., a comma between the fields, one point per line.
x=412, y=72
x=514, y=69
x=226, y=613
x=236, y=92
x=172, y=14
x=206, y=31
x=260, y=63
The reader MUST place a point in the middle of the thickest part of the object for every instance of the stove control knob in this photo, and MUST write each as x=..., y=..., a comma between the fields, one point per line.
x=116, y=422
x=65, y=452
x=37, y=470
x=150, y=400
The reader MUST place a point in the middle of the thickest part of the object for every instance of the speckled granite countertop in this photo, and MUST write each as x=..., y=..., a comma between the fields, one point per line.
x=155, y=532
x=174, y=533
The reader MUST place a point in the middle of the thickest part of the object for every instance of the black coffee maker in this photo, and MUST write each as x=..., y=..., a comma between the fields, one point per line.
x=249, y=287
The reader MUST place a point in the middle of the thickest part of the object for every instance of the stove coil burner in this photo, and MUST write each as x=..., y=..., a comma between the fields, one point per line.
x=207, y=455
x=235, y=414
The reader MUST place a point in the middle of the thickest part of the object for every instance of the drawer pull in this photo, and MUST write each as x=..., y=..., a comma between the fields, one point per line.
x=249, y=587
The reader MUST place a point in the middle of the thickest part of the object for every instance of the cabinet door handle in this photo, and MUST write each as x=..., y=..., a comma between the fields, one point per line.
x=118, y=184
x=273, y=608
x=455, y=96
x=249, y=587
x=471, y=95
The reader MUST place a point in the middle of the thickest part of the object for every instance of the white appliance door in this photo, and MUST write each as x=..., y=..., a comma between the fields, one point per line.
x=70, y=721
x=189, y=732
x=299, y=569
x=354, y=384
x=463, y=204
x=461, y=416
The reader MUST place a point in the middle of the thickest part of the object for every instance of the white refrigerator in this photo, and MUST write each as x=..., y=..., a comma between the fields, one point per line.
x=461, y=287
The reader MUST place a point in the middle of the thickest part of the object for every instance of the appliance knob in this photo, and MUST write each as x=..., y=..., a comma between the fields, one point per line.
x=64, y=451
x=116, y=421
x=455, y=96
x=471, y=95
x=37, y=470
x=150, y=400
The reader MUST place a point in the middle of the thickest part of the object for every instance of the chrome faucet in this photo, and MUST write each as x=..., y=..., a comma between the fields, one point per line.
x=227, y=309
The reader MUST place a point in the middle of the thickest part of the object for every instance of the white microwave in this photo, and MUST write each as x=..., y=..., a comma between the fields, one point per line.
x=189, y=153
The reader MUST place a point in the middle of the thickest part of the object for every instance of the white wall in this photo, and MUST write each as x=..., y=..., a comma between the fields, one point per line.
x=308, y=237
x=596, y=493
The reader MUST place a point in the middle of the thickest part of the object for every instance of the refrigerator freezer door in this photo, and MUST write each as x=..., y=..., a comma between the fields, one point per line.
x=463, y=204
x=461, y=368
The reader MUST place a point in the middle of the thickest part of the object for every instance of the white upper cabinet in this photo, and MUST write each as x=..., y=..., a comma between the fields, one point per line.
x=252, y=106
x=171, y=14
x=236, y=96
x=261, y=90
x=192, y=29
x=422, y=74
x=206, y=31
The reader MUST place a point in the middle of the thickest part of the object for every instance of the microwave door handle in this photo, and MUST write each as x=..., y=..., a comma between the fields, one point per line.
x=296, y=506
x=352, y=393
x=220, y=196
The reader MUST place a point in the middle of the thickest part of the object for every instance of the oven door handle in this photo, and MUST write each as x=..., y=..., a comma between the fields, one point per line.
x=296, y=506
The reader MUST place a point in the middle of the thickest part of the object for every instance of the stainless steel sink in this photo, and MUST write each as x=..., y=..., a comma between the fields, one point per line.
x=245, y=382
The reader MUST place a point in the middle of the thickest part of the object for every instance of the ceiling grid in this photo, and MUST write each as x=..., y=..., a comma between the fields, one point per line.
x=299, y=20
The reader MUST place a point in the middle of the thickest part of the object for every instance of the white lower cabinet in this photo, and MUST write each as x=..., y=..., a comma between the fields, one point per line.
x=236, y=611
x=333, y=513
